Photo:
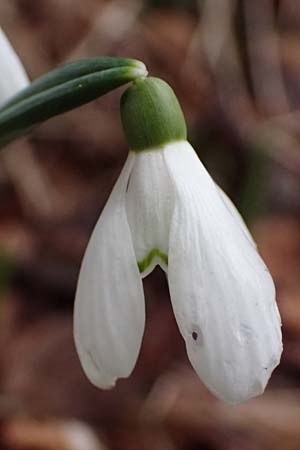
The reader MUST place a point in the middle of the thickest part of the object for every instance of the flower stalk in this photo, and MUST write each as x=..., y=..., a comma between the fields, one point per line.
x=62, y=90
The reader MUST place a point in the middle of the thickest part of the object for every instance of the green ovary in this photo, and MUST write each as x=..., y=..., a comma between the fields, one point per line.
x=154, y=253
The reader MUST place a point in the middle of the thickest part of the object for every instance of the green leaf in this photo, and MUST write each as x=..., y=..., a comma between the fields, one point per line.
x=64, y=89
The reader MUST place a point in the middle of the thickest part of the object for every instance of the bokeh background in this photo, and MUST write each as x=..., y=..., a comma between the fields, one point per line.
x=235, y=66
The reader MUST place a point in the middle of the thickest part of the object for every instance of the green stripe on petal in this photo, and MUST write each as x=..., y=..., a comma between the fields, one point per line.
x=147, y=261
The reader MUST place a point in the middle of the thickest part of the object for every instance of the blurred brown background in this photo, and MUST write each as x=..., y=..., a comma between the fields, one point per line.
x=235, y=66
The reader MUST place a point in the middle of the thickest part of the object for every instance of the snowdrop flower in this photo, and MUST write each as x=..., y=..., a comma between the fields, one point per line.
x=165, y=209
x=12, y=75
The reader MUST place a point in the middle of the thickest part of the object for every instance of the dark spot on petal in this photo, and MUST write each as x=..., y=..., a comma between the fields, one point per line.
x=128, y=182
x=194, y=335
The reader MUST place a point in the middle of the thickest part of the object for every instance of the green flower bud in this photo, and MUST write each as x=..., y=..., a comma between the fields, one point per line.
x=151, y=115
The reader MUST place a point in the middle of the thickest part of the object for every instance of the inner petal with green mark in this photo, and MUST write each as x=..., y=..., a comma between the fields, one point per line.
x=155, y=255
x=149, y=207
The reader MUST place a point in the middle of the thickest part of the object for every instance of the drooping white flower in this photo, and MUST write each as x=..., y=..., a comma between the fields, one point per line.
x=12, y=74
x=165, y=209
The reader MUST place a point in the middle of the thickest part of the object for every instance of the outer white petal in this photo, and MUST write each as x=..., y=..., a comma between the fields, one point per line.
x=12, y=75
x=109, y=313
x=149, y=206
x=236, y=215
x=223, y=295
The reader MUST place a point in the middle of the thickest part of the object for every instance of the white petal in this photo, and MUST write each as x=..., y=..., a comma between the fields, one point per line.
x=149, y=205
x=12, y=75
x=223, y=295
x=109, y=313
x=236, y=215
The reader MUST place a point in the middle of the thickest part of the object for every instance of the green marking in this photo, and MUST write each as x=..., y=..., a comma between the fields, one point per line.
x=155, y=252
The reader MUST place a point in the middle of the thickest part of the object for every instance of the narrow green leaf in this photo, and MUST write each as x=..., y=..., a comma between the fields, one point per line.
x=64, y=89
